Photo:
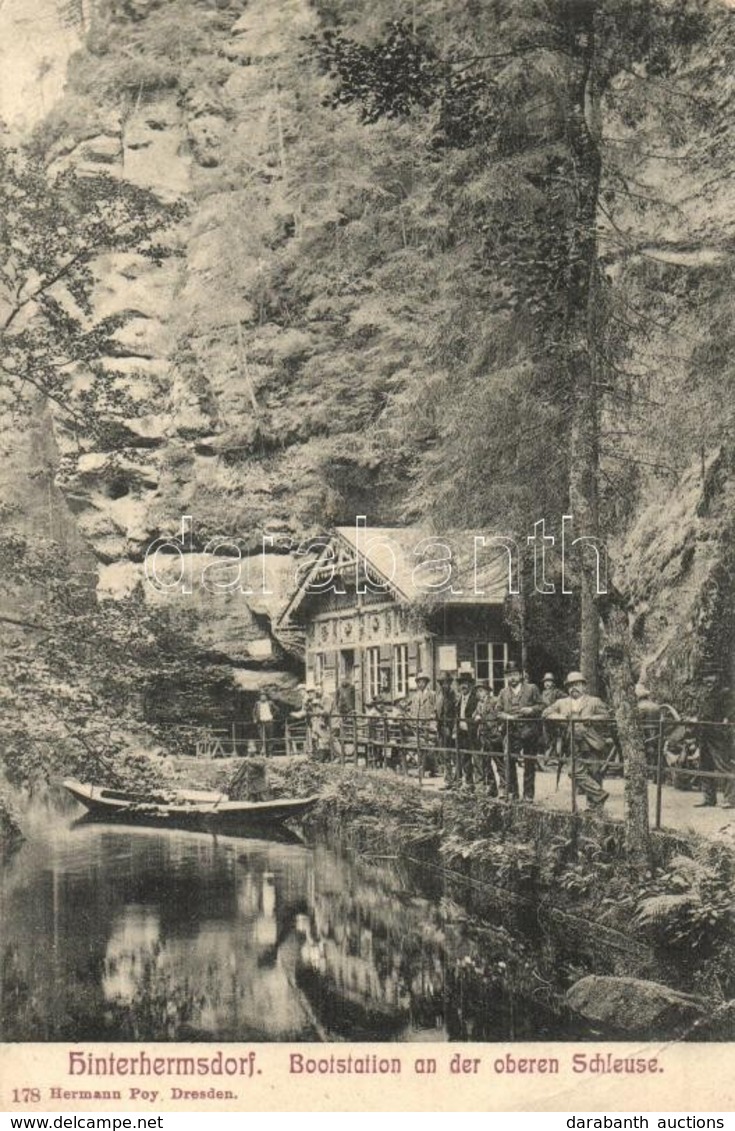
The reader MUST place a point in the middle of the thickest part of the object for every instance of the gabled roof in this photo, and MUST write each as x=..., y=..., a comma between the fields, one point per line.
x=413, y=564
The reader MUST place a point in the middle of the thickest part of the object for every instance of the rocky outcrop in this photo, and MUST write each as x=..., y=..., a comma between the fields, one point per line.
x=634, y=1007
x=677, y=566
x=235, y=599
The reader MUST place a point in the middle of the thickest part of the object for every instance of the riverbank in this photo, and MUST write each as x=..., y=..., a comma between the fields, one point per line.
x=550, y=893
x=672, y=929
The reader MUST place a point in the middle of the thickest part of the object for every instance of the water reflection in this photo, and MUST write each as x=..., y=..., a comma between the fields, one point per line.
x=150, y=935
x=371, y=959
x=116, y=933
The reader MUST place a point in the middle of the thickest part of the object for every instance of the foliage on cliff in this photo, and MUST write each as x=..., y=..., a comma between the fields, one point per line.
x=53, y=230
x=11, y=834
x=78, y=674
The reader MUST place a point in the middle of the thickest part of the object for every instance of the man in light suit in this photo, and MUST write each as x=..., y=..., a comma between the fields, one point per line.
x=590, y=738
x=422, y=712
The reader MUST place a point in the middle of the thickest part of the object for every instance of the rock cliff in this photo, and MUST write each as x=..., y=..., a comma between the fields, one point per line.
x=245, y=415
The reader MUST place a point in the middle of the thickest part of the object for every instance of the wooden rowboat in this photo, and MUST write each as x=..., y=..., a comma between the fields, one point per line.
x=185, y=808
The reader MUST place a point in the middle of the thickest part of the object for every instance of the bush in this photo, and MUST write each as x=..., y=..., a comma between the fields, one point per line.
x=690, y=905
x=10, y=830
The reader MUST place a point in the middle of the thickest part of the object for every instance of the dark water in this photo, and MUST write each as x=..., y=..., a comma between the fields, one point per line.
x=110, y=932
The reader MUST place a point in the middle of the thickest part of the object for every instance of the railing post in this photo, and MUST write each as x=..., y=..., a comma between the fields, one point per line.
x=385, y=740
x=659, y=771
x=456, y=754
x=402, y=738
x=573, y=757
x=507, y=760
x=354, y=735
x=330, y=732
x=419, y=753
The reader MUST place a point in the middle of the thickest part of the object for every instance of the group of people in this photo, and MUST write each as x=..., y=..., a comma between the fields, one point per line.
x=496, y=742
x=696, y=751
x=484, y=740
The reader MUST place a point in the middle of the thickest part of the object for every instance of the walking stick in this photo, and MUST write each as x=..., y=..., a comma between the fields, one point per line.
x=560, y=759
x=574, y=766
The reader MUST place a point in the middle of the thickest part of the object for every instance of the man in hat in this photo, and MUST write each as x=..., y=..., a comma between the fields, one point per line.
x=518, y=703
x=446, y=710
x=716, y=740
x=397, y=715
x=298, y=734
x=590, y=741
x=422, y=711
x=343, y=714
x=264, y=717
x=649, y=718
x=465, y=709
x=487, y=737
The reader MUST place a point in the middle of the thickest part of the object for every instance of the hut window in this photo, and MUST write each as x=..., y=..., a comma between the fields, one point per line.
x=490, y=661
x=373, y=673
x=400, y=669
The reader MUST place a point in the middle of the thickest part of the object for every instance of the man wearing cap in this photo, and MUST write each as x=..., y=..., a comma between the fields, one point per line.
x=264, y=717
x=590, y=743
x=549, y=691
x=518, y=701
x=422, y=712
x=549, y=695
x=465, y=710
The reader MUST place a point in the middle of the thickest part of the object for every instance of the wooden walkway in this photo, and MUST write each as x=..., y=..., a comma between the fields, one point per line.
x=678, y=812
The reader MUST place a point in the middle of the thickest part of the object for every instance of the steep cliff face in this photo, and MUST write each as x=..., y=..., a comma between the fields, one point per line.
x=194, y=443
x=277, y=366
x=677, y=565
x=35, y=45
x=236, y=421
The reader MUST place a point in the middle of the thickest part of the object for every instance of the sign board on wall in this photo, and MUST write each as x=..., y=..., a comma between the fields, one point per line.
x=447, y=658
x=329, y=681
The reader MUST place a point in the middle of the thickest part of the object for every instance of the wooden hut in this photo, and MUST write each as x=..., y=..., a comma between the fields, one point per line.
x=378, y=604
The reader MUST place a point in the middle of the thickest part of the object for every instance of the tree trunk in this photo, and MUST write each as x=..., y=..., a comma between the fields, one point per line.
x=583, y=505
x=621, y=683
x=583, y=336
x=580, y=331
